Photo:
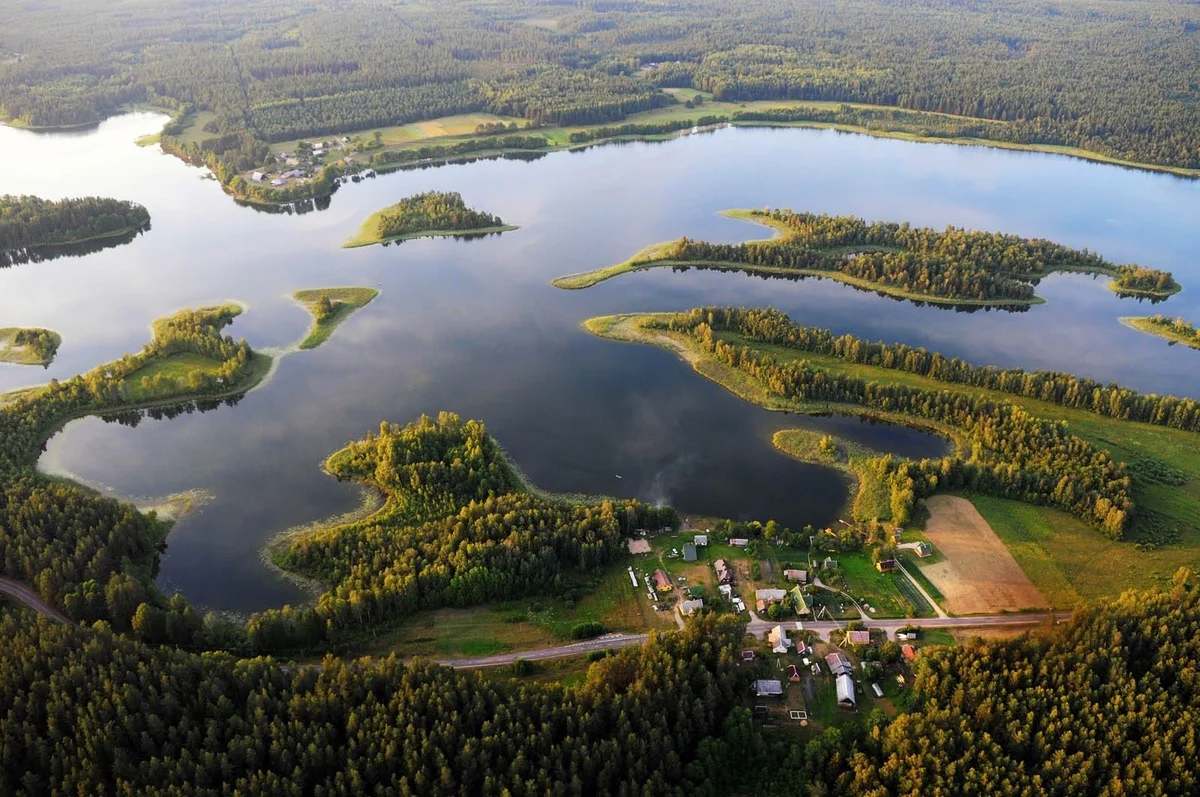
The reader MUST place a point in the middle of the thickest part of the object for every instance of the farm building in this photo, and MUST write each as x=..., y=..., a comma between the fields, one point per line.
x=779, y=640
x=689, y=552
x=724, y=574
x=688, y=608
x=796, y=575
x=701, y=541
x=858, y=637
x=662, y=582
x=839, y=664
x=909, y=652
x=885, y=565
x=768, y=688
x=845, y=691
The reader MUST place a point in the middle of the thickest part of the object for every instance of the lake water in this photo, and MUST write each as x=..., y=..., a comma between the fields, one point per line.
x=475, y=327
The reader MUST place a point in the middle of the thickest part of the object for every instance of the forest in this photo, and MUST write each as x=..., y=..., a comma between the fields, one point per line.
x=1118, y=79
x=1104, y=704
x=29, y=222
x=952, y=264
x=1002, y=449
x=429, y=213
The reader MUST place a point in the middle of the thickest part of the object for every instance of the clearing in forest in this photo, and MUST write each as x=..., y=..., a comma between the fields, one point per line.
x=979, y=575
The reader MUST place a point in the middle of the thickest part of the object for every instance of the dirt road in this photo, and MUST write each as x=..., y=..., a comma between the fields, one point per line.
x=27, y=596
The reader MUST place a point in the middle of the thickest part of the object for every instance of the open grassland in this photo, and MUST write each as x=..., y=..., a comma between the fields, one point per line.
x=177, y=370
x=345, y=301
x=1068, y=561
x=25, y=354
x=1165, y=331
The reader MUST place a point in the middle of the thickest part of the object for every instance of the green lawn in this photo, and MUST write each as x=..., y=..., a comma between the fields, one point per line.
x=869, y=586
x=176, y=367
x=345, y=302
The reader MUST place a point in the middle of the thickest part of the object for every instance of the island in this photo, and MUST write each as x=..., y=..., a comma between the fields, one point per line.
x=1176, y=330
x=28, y=345
x=29, y=224
x=431, y=214
x=330, y=307
x=949, y=267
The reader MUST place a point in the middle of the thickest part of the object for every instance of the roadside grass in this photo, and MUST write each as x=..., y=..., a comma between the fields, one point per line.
x=478, y=631
x=937, y=636
x=570, y=671
x=345, y=302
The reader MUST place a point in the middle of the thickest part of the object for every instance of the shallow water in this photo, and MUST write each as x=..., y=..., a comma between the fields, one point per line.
x=475, y=327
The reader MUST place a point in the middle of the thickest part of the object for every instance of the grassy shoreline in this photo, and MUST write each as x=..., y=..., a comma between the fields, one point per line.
x=1146, y=326
x=361, y=240
x=345, y=302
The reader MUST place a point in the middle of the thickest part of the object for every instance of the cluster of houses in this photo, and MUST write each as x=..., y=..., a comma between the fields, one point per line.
x=302, y=164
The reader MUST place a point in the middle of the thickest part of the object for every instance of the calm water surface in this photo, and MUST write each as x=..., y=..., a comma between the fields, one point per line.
x=474, y=326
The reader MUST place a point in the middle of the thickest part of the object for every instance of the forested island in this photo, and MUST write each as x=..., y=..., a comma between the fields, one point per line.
x=28, y=345
x=953, y=266
x=330, y=307
x=430, y=214
x=29, y=223
x=1007, y=425
x=1176, y=330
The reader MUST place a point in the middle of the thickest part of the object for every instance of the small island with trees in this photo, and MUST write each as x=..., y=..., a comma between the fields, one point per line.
x=1176, y=330
x=29, y=223
x=330, y=307
x=426, y=215
x=28, y=345
x=953, y=266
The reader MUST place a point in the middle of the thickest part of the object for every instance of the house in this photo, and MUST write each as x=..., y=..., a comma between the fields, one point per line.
x=897, y=534
x=796, y=575
x=662, y=582
x=875, y=688
x=738, y=542
x=845, y=691
x=724, y=574
x=257, y=177
x=778, y=638
x=793, y=673
x=839, y=664
x=688, y=608
x=924, y=549
x=689, y=552
x=909, y=652
x=701, y=541
x=766, y=597
x=767, y=688
x=885, y=565
x=858, y=637
x=829, y=564
x=800, y=602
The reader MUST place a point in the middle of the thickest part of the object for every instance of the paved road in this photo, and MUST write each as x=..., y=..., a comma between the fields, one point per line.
x=30, y=598
x=758, y=628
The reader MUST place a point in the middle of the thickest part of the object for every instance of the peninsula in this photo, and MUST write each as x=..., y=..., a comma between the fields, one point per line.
x=330, y=307
x=1176, y=330
x=28, y=345
x=951, y=267
x=29, y=223
x=431, y=214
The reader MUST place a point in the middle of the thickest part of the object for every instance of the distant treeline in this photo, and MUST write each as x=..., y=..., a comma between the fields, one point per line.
x=1003, y=450
x=459, y=148
x=430, y=211
x=952, y=264
x=647, y=129
x=29, y=222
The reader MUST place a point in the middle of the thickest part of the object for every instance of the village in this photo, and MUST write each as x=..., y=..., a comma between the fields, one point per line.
x=285, y=169
x=795, y=678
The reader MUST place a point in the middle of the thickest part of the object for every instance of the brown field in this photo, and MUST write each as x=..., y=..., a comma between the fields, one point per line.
x=979, y=575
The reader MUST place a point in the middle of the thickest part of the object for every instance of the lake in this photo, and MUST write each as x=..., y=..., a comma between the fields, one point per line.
x=476, y=328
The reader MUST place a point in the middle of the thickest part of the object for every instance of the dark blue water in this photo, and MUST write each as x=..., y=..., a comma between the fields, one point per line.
x=475, y=327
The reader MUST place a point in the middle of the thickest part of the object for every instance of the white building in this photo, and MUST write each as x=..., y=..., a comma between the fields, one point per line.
x=779, y=640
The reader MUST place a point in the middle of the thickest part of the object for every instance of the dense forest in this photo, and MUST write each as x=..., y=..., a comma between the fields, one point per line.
x=1002, y=449
x=28, y=222
x=432, y=211
x=1102, y=705
x=950, y=264
x=1116, y=78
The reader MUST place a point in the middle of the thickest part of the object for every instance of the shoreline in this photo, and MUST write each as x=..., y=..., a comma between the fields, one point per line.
x=1144, y=325
x=354, y=243
x=353, y=299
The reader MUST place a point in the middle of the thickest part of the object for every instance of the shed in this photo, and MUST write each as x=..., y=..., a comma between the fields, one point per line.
x=885, y=565
x=739, y=542
x=689, y=552
x=875, y=688
x=768, y=688
x=688, y=608
x=701, y=541
x=257, y=177
x=845, y=691
x=924, y=549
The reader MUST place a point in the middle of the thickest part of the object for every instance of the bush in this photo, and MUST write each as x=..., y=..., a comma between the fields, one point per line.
x=587, y=630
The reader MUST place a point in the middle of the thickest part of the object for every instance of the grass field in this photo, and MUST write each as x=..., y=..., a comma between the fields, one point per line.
x=345, y=302
x=1144, y=324
x=1068, y=561
x=11, y=352
x=879, y=590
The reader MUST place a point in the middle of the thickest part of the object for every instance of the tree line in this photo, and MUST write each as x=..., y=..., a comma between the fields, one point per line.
x=644, y=129
x=1002, y=449
x=954, y=263
x=29, y=222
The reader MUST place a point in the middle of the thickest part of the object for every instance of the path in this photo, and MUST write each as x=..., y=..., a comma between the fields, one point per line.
x=25, y=595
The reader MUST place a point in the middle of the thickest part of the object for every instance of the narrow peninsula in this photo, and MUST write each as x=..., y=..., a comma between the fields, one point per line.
x=28, y=345
x=330, y=307
x=431, y=214
x=1176, y=330
x=29, y=224
x=950, y=267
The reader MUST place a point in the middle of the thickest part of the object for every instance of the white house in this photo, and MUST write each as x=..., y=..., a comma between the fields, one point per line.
x=779, y=640
x=257, y=177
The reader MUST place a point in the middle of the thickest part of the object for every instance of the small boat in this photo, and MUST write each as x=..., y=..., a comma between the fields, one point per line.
x=618, y=475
